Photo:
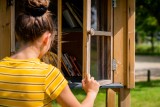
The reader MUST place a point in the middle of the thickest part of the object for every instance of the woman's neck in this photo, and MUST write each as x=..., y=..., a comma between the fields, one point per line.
x=26, y=52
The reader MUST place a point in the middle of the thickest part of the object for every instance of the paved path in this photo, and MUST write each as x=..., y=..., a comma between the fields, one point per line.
x=144, y=63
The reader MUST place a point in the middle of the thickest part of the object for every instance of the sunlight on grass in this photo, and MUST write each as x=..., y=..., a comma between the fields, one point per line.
x=80, y=95
x=145, y=94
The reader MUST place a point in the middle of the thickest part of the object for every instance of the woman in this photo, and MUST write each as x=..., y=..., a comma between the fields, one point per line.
x=28, y=82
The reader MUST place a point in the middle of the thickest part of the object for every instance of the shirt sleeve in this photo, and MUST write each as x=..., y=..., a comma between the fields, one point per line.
x=54, y=82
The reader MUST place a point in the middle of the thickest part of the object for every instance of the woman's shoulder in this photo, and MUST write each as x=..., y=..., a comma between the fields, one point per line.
x=49, y=68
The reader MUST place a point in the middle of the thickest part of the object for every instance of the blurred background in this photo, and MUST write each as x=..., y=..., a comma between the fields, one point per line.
x=147, y=61
x=147, y=39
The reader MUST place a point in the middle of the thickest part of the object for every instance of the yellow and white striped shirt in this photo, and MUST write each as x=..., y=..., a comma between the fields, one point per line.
x=29, y=83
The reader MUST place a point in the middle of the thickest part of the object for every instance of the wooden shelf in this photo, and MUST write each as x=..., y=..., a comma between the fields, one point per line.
x=102, y=33
x=113, y=85
x=72, y=30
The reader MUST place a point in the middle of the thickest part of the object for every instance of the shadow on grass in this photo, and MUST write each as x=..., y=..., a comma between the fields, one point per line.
x=152, y=83
x=145, y=84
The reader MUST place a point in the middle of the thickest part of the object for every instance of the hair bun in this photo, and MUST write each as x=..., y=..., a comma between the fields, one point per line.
x=36, y=7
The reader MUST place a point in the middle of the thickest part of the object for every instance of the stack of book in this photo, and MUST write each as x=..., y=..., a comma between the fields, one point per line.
x=70, y=66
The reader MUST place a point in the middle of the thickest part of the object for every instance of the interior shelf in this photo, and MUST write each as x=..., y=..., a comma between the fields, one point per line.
x=112, y=85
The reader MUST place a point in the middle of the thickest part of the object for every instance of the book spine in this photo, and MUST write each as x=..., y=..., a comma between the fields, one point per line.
x=65, y=68
x=74, y=14
x=68, y=65
x=75, y=66
x=70, y=20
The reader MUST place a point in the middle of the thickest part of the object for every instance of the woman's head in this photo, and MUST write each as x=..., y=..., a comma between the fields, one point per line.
x=34, y=21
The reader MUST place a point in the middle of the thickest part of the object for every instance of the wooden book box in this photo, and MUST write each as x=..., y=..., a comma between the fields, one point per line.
x=92, y=36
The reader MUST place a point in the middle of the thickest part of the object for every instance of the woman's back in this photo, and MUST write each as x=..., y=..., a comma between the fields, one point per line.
x=27, y=83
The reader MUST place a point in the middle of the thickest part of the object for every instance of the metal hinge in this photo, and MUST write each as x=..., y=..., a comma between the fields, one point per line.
x=114, y=64
x=114, y=3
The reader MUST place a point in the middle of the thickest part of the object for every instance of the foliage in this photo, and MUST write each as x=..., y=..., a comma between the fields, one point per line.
x=147, y=21
x=147, y=16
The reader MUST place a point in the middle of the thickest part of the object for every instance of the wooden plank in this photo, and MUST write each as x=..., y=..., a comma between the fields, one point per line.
x=59, y=33
x=110, y=40
x=108, y=52
x=13, y=41
x=120, y=42
x=131, y=44
x=101, y=33
x=86, y=36
x=111, y=98
x=5, y=29
x=124, y=98
x=115, y=86
x=109, y=16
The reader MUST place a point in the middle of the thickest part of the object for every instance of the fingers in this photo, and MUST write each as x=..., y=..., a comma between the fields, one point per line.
x=89, y=84
x=83, y=83
x=92, y=78
x=88, y=76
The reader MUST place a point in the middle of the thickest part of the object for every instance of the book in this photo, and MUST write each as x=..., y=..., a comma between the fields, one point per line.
x=65, y=69
x=69, y=19
x=68, y=65
x=77, y=11
x=74, y=14
x=76, y=69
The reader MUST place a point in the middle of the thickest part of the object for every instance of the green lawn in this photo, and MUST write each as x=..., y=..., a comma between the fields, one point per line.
x=144, y=95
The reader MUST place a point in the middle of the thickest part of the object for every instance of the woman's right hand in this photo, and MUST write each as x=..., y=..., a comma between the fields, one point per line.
x=90, y=85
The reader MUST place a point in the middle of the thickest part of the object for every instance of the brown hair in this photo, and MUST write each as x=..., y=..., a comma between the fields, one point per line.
x=34, y=20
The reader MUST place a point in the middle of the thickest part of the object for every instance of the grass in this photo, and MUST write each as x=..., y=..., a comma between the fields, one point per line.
x=145, y=94
x=80, y=95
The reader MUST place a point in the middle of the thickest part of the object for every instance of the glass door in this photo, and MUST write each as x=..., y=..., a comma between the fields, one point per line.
x=101, y=40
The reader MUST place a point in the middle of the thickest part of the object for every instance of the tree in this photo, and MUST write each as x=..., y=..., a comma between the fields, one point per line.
x=147, y=18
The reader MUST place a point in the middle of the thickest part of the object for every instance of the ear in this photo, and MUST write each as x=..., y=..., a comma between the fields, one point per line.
x=46, y=38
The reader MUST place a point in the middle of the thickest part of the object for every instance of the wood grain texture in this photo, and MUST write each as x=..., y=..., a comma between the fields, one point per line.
x=120, y=42
x=131, y=44
x=5, y=29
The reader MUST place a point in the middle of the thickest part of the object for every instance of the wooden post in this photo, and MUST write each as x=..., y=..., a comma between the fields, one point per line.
x=148, y=75
x=130, y=43
x=124, y=98
x=59, y=33
x=110, y=98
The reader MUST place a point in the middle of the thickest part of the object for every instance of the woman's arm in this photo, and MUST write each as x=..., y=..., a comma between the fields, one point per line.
x=67, y=99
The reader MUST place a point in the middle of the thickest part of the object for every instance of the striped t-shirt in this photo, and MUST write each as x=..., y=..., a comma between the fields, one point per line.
x=29, y=83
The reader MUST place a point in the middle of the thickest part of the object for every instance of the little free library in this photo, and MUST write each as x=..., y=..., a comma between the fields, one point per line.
x=92, y=36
